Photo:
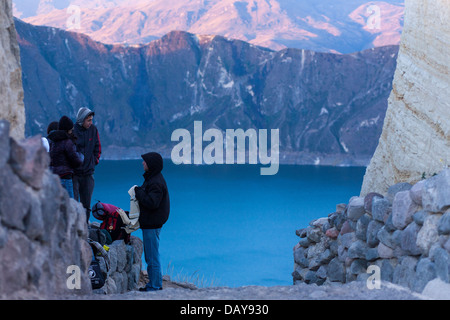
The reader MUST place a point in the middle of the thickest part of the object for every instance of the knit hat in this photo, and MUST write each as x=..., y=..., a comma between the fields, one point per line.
x=65, y=124
x=52, y=127
x=82, y=114
x=154, y=162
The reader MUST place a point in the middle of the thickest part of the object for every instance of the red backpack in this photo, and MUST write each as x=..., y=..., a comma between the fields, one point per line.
x=112, y=222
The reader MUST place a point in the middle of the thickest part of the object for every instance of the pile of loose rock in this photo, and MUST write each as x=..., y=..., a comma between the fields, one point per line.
x=405, y=233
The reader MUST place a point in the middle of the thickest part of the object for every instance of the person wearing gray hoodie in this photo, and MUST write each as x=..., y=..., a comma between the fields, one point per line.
x=88, y=143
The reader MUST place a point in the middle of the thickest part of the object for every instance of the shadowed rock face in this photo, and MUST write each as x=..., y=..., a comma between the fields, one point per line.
x=11, y=92
x=329, y=108
x=42, y=232
x=416, y=136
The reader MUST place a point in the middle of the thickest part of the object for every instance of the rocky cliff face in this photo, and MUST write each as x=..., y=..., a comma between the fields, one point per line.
x=11, y=92
x=416, y=134
x=329, y=108
x=42, y=231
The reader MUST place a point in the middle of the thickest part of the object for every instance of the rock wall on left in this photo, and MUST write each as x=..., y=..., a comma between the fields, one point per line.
x=43, y=247
x=11, y=91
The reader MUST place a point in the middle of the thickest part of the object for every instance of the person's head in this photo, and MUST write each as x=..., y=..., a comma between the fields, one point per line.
x=65, y=124
x=88, y=122
x=153, y=163
x=98, y=211
x=85, y=117
x=52, y=127
x=144, y=164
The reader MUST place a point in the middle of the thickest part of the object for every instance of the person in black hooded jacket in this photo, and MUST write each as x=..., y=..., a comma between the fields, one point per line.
x=63, y=154
x=154, y=205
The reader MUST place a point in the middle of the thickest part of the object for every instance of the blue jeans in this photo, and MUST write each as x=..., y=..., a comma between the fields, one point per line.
x=68, y=185
x=152, y=258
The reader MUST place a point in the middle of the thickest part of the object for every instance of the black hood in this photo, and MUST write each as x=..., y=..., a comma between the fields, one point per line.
x=154, y=163
x=58, y=135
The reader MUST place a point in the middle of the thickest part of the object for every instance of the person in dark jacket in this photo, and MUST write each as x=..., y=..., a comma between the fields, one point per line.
x=63, y=154
x=154, y=205
x=88, y=144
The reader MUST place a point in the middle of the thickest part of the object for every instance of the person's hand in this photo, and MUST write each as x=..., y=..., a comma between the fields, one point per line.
x=132, y=189
x=138, y=192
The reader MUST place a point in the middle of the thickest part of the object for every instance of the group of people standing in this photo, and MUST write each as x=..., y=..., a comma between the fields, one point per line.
x=75, y=151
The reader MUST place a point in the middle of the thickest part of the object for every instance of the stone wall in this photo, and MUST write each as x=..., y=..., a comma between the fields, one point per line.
x=125, y=267
x=42, y=230
x=11, y=92
x=416, y=133
x=406, y=233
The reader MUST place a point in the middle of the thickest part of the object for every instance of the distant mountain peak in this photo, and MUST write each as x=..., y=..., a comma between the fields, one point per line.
x=321, y=25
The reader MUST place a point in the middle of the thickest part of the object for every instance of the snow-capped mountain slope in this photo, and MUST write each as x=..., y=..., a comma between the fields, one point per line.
x=329, y=107
x=321, y=25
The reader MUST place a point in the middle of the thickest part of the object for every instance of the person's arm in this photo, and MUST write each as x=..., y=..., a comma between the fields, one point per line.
x=97, y=147
x=72, y=155
x=149, y=197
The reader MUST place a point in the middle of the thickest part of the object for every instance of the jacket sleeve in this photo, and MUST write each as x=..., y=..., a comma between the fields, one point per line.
x=97, y=148
x=150, y=197
x=72, y=155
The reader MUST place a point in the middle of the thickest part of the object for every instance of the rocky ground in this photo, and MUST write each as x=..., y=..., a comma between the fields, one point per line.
x=352, y=291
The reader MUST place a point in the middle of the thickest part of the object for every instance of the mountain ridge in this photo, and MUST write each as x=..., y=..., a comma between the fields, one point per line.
x=320, y=26
x=329, y=107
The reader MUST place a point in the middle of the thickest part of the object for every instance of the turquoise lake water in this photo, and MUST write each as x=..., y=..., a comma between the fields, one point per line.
x=228, y=225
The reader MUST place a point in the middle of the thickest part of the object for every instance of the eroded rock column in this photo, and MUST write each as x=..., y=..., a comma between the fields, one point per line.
x=415, y=142
x=11, y=91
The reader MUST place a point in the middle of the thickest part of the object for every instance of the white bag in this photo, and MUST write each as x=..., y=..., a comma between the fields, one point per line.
x=131, y=221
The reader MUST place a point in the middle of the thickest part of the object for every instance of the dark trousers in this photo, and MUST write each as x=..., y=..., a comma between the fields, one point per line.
x=83, y=187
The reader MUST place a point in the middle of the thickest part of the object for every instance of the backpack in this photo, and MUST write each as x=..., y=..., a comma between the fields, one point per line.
x=96, y=275
x=101, y=236
x=112, y=221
